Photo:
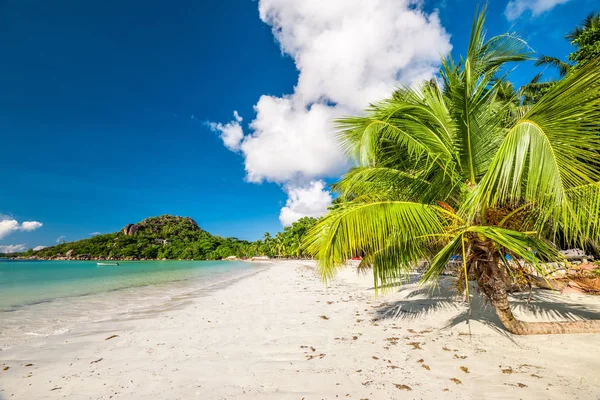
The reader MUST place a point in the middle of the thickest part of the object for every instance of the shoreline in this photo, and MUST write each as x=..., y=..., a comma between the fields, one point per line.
x=280, y=333
x=255, y=259
x=25, y=319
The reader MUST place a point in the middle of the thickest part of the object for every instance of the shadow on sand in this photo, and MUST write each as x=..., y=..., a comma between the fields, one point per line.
x=422, y=301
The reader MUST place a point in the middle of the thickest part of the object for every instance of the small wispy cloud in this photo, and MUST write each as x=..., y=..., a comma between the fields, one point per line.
x=12, y=248
x=516, y=8
x=231, y=133
x=95, y=233
x=59, y=239
x=38, y=248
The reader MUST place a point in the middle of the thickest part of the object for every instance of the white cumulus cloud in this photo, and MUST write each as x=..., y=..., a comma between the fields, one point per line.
x=349, y=53
x=290, y=143
x=38, y=248
x=311, y=200
x=516, y=8
x=12, y=248
x=30, y=225
x=9, y=225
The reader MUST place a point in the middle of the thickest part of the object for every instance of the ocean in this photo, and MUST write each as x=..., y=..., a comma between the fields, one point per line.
x=41, y=298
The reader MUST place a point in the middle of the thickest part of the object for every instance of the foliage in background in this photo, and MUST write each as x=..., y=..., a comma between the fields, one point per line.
x=585, y=39
x=173, y=238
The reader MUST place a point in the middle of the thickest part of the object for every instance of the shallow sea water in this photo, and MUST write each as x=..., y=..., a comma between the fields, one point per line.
x=41, y=298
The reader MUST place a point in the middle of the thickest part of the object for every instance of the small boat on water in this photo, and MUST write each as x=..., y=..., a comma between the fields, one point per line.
x=107, y=264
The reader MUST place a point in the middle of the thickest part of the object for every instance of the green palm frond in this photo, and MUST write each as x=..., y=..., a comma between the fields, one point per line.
x=582, y=227
x=471, y=88
x=440, y=260
x=405, y=121
x=552, y=149
x=365, y=228
x=525, y=245
x=393, y=263
x=562, y=67
x=393, y=184
x=397, y=184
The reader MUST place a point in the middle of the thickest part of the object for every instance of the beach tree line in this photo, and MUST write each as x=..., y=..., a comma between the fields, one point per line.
x=289, y=243
x=177, y=238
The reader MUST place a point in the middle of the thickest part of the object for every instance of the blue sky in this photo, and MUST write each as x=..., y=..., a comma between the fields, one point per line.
x=105, y=107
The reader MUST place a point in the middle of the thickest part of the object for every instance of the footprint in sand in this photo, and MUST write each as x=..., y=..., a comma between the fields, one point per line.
x=415, y=345
x=423, y=365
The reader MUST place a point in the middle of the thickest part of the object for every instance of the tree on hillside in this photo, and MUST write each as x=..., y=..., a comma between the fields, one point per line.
x=454, y=169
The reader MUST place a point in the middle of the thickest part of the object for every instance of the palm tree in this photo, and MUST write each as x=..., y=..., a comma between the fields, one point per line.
x=294, y=246
x=590, y=23
x=452, y=168
x=268, y=247
x=562, y=67
x=536, y=88
x=586, y=40
x=279, y=245
x=255, y=248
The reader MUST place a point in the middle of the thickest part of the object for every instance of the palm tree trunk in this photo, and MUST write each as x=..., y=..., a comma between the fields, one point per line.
x=493, y=285
x=500, y=301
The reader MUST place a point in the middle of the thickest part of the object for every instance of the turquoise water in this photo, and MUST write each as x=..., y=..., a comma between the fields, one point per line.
x=43, y=298
x=24, y=282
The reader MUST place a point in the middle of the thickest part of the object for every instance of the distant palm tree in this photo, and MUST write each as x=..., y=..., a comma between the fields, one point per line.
x=294, y=247
x=590, y=23
x=562, y=67
x=255, y=248
x=585, y=38
x=454, y=169
x=268, y=247
x=279, y=245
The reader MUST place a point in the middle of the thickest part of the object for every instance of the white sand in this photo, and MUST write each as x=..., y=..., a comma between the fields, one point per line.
x=263, y=338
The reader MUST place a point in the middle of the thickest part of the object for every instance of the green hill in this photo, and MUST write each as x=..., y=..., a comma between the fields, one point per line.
x=175, y=238
x=166, y=236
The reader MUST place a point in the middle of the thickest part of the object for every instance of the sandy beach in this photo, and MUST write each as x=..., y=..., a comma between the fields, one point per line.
x=281, y=334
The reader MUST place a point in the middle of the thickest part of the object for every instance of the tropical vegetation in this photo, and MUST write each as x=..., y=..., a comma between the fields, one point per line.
x=461, y=167
x=174, y=238
x=586, y=42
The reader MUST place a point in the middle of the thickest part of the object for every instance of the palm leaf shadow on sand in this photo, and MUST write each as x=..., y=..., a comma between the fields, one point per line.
x=422, y=301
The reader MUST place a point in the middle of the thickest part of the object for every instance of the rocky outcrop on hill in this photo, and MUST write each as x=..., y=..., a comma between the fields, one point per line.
x=131, y=229
x=165, y=236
